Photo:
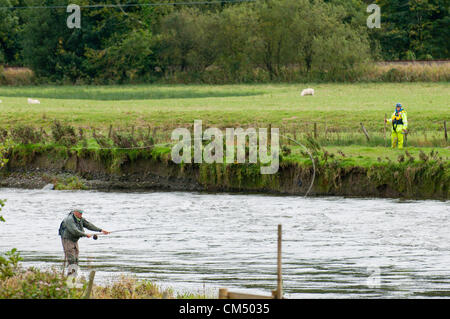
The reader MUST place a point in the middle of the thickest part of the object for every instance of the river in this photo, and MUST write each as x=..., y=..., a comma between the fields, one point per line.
x=333, y=247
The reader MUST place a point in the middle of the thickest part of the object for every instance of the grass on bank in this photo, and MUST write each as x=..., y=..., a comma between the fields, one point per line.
x=357, y=156
x=33, y=283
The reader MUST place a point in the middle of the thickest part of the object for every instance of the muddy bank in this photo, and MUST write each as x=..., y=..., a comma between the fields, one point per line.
x=34, y=167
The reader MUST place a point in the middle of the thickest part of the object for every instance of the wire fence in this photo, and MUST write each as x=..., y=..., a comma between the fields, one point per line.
x=99, y=6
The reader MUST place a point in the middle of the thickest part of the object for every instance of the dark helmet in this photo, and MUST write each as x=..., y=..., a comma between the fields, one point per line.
x=400, y=106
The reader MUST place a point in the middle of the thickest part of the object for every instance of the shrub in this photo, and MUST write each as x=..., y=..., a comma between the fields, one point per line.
x=36, y=284
x=123, y=140
x=3, y=135
x=9, y=264
x=71, y=183
x=16, y=76
x=64, y=134
x=25, y=134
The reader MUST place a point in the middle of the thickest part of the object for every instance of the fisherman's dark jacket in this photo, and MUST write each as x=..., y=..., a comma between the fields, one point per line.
x=72, y=228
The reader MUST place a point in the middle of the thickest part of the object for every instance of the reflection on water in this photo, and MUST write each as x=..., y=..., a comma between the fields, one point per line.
x=333, y=247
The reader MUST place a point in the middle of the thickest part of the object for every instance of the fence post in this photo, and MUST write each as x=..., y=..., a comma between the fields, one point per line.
x=365, y=131
x=223, y=293
x=445, y=131
x=269, y=138
x=110, y=131
x=90, y=285
x=315, y=130
x=405, y=139
x=155, y=128
x=385, y=121
x=279, y=294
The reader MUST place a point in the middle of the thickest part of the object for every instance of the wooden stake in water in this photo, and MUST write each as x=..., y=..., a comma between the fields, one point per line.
x=279, y=294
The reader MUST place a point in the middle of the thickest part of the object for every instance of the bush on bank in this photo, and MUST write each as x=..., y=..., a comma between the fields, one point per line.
x=34, y=283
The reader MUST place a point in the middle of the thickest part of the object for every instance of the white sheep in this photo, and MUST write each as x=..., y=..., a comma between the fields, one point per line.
x=1, y=101
x=31, y=101
x=308, y=91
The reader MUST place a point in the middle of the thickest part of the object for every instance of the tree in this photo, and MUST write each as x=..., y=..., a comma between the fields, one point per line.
x=311, y=34
x=414, y=28
x=233, y=38
x=9, y=33
x=427, y=39
x=53, y=50
x=187, y=41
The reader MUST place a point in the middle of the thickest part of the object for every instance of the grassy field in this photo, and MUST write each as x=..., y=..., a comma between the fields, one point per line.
x=337, y=109
x=341, y=106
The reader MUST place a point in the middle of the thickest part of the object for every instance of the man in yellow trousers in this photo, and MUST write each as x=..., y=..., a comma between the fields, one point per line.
x=399, y=126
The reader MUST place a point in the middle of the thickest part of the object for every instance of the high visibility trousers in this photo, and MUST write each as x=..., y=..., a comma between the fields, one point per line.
x=397, y=139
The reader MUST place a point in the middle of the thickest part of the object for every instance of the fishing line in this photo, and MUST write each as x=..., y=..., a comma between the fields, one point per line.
x=95, y=236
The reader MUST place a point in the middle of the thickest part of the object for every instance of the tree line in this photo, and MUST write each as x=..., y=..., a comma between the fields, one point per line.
x=265, y=40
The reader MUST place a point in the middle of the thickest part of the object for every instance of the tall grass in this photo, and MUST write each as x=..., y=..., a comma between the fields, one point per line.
x=143, y=136
x=369, y=72
x=34, y=283
x=407, y=73
x=16, y=76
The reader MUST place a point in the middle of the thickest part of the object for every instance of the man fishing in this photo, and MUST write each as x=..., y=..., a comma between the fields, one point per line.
x=72, y=229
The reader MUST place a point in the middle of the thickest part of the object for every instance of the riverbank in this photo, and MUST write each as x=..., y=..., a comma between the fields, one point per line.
x=414, y=174
x=33, y=283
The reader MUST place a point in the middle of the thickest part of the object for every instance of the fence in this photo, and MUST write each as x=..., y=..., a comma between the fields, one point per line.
x=276, y=294
x=148, y=135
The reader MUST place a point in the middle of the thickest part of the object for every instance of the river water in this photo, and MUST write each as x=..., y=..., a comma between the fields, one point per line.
x=333, y=247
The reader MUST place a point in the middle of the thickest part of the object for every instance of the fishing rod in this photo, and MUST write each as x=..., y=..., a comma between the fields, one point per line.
x=95, y=236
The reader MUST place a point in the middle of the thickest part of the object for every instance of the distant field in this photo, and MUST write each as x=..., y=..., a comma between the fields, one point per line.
x=339, y=107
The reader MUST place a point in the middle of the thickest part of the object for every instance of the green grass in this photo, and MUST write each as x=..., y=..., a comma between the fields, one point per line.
x=339, y=107
x=366, y=156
